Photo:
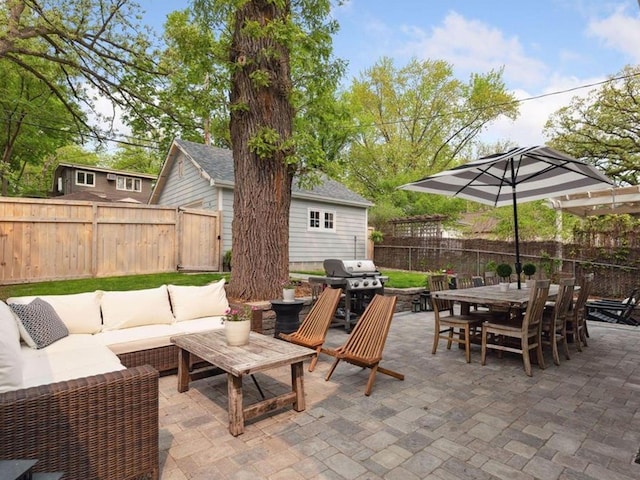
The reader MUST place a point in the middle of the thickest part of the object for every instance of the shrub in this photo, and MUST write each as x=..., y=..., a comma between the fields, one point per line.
x=529, y=269
x=504, y=270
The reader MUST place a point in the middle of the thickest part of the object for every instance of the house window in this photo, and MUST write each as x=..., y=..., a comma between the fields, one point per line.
x=322, y=220
x=129, y=184
x=88, y=179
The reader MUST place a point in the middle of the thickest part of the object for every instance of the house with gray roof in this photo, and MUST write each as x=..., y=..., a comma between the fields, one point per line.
x=325, y=221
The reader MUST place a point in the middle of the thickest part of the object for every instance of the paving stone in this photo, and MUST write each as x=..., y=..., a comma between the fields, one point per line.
x=542, y=468
x=448, y=420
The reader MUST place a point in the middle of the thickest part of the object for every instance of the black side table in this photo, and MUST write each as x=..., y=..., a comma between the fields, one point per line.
x=287, y=315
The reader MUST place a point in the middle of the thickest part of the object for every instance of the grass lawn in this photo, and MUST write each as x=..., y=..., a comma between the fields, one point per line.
x=397, y=279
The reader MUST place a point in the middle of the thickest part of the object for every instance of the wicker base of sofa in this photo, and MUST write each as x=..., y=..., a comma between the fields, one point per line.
x=163, y=359
x=100, y=427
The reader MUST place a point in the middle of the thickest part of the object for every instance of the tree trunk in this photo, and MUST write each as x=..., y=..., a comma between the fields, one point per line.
x=261, y=114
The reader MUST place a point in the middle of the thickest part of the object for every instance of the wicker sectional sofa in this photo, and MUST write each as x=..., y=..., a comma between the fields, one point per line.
x=86, y=404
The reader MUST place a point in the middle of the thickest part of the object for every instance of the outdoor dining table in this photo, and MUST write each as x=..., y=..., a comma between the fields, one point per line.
x=491, y=295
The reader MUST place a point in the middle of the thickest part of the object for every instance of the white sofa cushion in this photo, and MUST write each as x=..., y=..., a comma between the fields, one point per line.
x=154, y=336
x=198, y=325
x=135, y=308
x=72, y=357
x=189, y=302
x=10, y=358
x=80, y=312
x=39, y=324
x=135, y=339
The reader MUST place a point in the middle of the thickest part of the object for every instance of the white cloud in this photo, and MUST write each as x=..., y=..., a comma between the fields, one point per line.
x=620, y=32
x=473, y=46
x=527, y=129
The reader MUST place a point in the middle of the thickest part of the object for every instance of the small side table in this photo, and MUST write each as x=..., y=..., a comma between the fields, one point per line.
x=287, y=315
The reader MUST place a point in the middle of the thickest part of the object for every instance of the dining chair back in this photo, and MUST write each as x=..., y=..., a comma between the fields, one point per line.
x=313, y=329
x=490, y=278
x=463, y=280
x=447, y=325
x=554, y=320
x=366, y=341
x=438, y=283
x=576, y=321
x=519, y=335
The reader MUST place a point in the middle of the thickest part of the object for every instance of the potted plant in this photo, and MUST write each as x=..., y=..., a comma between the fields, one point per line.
x=529, y=269
x=289, y=291
x=504, y=271
x=237, y=325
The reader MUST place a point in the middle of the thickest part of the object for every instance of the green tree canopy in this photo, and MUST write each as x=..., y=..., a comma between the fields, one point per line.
x=603, y=127
x=414, y=121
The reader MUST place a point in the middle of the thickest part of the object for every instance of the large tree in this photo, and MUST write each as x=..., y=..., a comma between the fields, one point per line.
x=280, y=65
x=89, y=47
x=603, y=128
x=33, y=125
x=414, y=121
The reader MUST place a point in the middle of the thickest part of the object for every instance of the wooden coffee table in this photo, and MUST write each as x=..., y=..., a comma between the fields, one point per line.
x=262, y=353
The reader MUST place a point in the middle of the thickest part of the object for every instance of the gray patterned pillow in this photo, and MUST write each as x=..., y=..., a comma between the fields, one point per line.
x=40, y=322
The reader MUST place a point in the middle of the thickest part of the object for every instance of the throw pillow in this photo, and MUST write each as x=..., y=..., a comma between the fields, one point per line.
x=39, y=324
x=189, y=302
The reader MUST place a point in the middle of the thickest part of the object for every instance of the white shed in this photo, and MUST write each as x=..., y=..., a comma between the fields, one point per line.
x=326, y=221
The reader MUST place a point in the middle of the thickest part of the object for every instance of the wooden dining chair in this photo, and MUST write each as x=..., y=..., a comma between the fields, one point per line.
x=463, y=280
x=450, y=327
x=490, y=278
x=524, y=333
x=576, y=321
x=554, y=320
x=313, y=329
x=366, y=341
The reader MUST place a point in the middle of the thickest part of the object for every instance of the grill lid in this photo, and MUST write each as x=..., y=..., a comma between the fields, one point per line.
x=335, y=267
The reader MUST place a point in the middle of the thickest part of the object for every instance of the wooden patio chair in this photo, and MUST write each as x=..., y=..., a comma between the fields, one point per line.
x=526, y=333
x=452, y=328
x=554, y=320
x=366, y=342
x=576, y=321
x=313, y=329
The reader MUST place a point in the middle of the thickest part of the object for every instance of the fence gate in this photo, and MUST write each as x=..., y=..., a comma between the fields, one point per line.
x=199, y=240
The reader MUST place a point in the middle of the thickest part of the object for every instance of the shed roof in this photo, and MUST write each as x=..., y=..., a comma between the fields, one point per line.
x=217, y=164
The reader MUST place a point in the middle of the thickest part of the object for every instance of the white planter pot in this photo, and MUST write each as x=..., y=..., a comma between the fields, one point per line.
x=289, y=294
x=504, y=286
x=237, y=333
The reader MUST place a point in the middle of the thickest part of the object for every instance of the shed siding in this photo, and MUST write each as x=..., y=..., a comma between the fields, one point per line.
x=349, y=241
x=185, y=186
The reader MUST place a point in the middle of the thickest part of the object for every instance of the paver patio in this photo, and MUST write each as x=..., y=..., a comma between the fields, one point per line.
x=447, y=419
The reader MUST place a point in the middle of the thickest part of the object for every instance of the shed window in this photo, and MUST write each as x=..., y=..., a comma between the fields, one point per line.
x=88, y=179
x=322, y=220
x=129, y=184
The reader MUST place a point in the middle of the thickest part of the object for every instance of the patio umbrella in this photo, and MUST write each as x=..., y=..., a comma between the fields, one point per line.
x=522, y=174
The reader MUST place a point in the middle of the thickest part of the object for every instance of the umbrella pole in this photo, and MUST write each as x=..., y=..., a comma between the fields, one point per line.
x=515, y=219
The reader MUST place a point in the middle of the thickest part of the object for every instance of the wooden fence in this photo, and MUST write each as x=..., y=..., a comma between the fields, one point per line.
x=43, y=240
x=616, y=269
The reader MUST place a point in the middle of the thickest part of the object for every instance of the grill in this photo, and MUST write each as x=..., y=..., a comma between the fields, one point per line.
x=360, y=281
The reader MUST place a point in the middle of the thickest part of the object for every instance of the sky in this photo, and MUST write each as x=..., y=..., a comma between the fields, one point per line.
x=544, y=46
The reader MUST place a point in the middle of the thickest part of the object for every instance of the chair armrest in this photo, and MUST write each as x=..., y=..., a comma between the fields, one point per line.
x=103, y=426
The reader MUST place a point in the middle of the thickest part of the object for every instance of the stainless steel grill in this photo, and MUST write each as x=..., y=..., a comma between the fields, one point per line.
x=360, y=281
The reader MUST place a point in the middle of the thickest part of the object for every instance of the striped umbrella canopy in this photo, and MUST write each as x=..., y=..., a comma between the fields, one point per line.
x=522, y=174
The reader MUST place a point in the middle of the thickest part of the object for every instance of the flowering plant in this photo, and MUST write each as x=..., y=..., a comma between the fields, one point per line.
x=289, y=284
x=235, y=315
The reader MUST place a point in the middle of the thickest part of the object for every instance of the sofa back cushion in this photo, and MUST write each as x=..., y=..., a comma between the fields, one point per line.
x=134, y=308
x=39, y=324
x=189, y=302
x=80, y=312
x=10, y=358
